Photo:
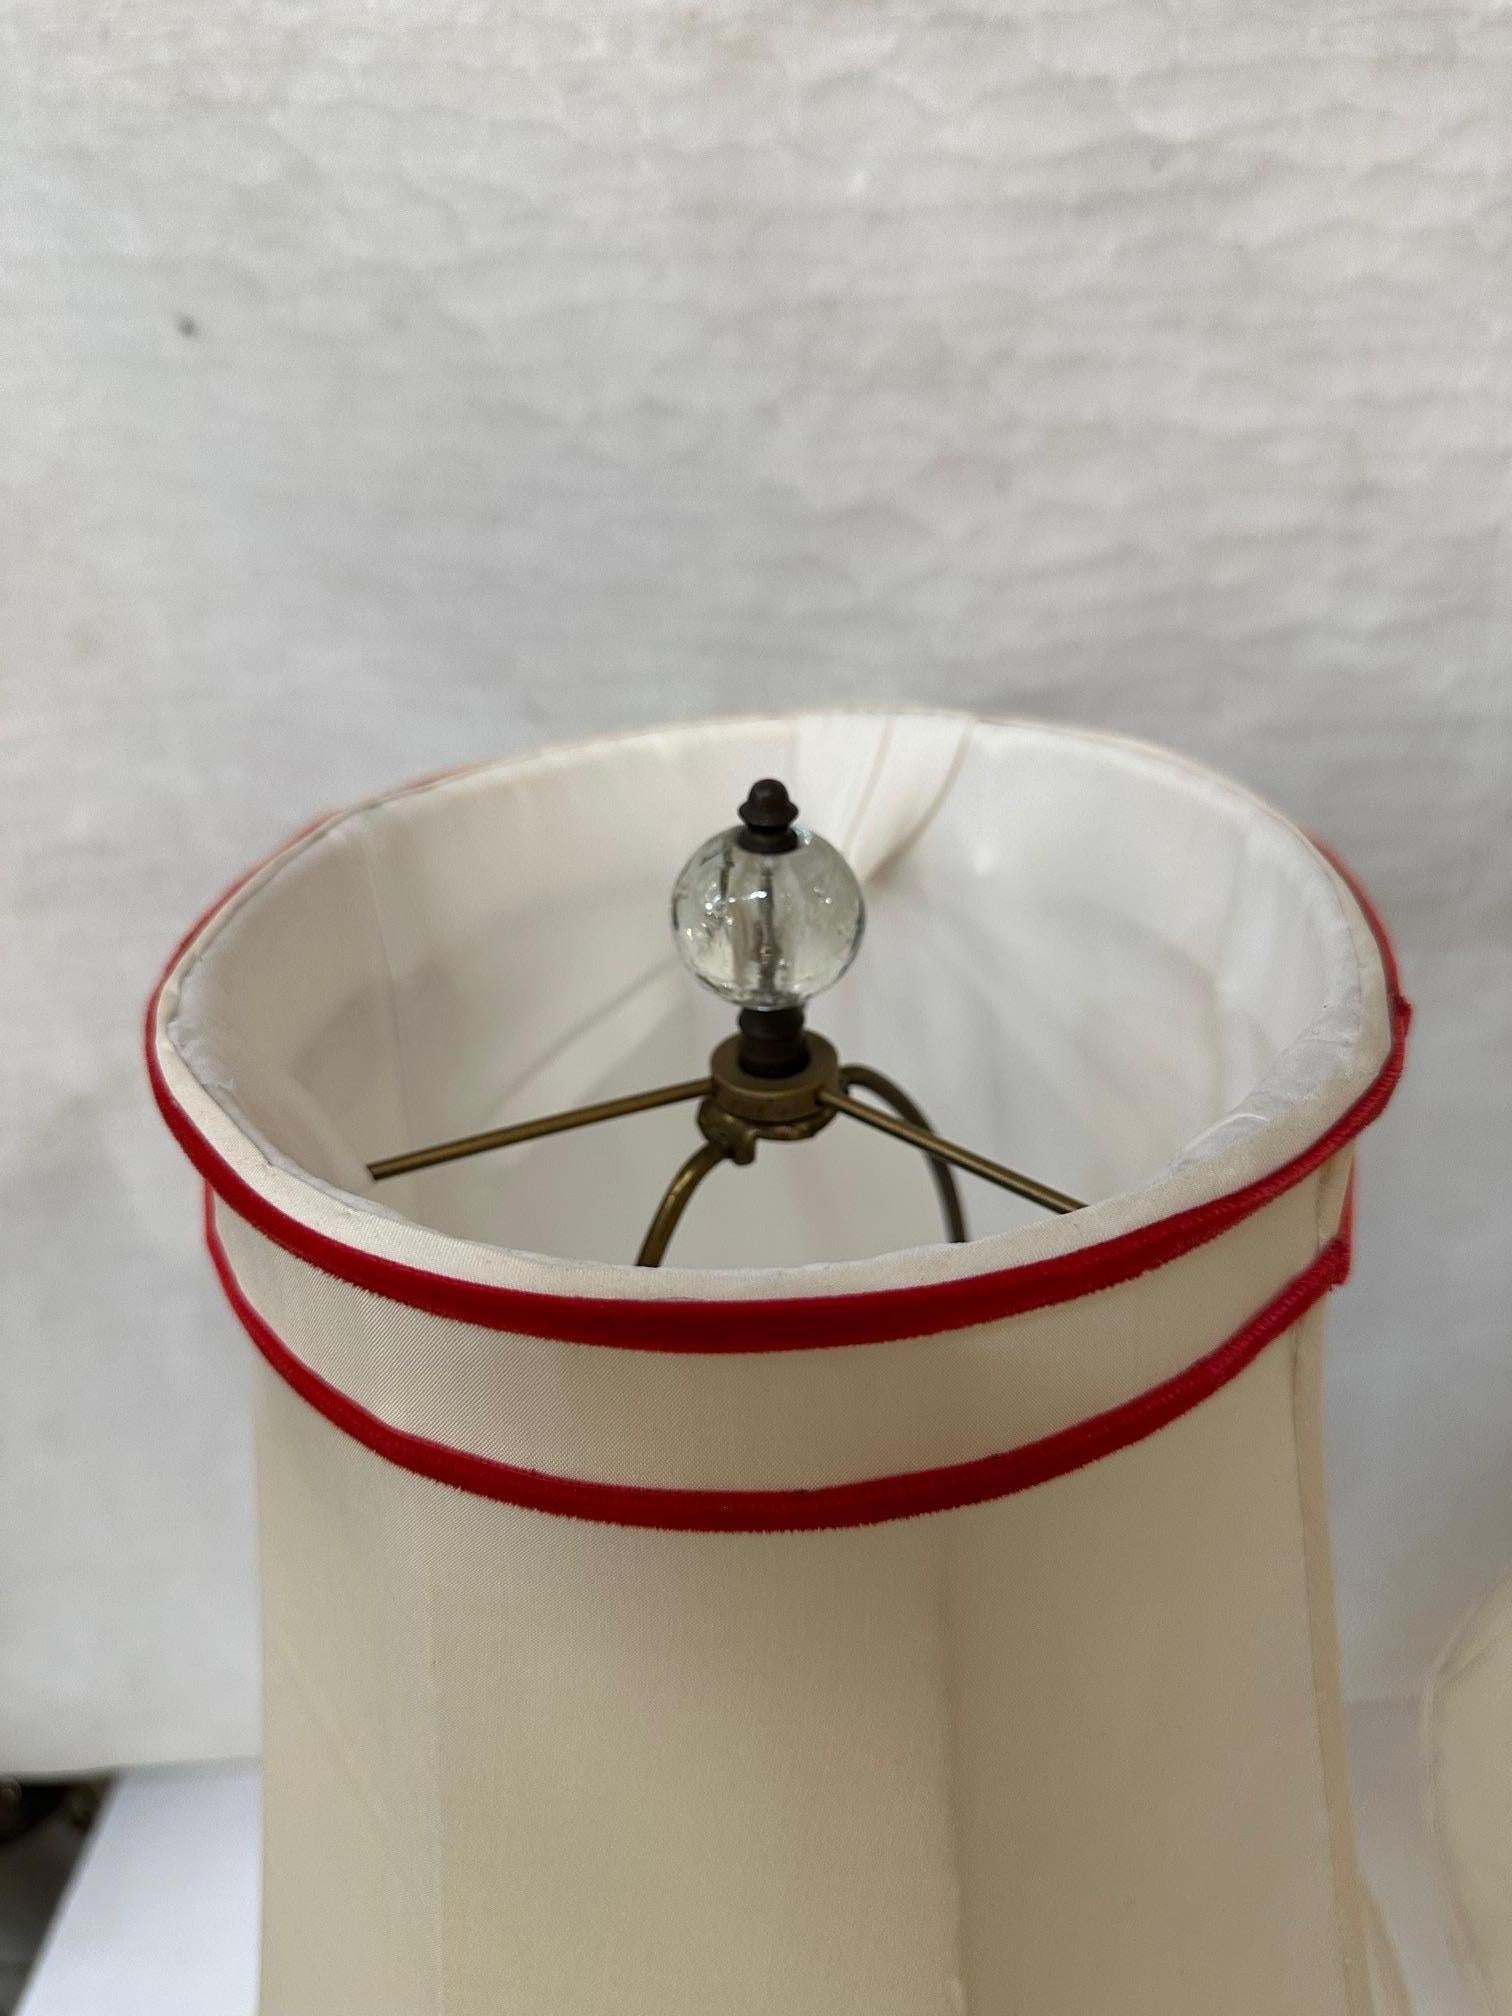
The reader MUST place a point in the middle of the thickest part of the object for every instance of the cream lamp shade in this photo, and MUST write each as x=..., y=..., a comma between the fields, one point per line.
x=834, y=1621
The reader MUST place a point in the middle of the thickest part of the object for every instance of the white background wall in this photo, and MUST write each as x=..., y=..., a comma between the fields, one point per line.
x=385, y=385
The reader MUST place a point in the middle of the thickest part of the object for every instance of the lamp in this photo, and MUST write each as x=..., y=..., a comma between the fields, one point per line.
x=828, y=1622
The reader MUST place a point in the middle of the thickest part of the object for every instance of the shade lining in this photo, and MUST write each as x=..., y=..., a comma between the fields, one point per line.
x=913, y=1275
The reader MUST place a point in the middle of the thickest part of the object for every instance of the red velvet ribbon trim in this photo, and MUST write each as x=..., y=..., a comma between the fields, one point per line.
x=865, y=1502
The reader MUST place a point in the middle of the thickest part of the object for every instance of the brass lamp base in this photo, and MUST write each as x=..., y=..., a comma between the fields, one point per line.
x=738, y=1110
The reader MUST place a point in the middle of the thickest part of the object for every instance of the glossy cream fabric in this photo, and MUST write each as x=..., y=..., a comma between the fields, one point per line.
x=1075, y=1750
x=1467, y=1728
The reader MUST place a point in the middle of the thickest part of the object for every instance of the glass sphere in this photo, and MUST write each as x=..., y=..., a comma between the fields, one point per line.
x=767, y=930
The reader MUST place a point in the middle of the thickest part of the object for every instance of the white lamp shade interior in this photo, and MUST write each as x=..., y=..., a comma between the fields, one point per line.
x=1085, y=957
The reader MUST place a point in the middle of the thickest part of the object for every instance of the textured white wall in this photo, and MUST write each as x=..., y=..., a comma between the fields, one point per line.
x=383, y=385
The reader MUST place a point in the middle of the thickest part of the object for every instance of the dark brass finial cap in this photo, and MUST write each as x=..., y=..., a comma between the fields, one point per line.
x=767, y=818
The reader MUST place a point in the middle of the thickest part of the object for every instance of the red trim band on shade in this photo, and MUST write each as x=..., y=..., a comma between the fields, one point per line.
x=866, y=1502
x=795, y=1323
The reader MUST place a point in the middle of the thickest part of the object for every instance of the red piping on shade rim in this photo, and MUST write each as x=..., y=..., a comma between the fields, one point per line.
x=795, y=1323
x=865, y=1502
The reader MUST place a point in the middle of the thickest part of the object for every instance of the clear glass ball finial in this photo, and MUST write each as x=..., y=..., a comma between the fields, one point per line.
x=767, y=914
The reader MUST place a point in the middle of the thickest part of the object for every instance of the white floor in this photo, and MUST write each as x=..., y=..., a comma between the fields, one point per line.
x=162, y=1913
x=161, y=1916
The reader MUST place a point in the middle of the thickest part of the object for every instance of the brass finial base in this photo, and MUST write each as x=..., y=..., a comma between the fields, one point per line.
x=738, y=1111
x=775, y=1080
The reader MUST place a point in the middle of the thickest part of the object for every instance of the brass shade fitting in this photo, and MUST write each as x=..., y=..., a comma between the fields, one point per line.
x=766, y=914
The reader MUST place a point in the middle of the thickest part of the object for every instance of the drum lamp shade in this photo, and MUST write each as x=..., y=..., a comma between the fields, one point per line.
x=832, y=1622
